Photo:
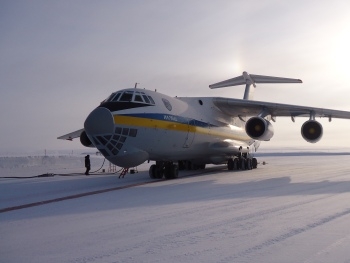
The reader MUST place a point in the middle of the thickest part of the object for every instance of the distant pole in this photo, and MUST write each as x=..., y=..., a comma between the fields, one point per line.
x=136, y=84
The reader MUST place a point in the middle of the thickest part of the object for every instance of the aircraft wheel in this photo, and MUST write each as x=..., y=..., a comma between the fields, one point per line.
x=174, y=171
x=194, y=166
x=188, y=165
x=235, y=164
x=160, y=169
x=182, y=165
x=167, y=171
x=171, y=171
x=242, y=164
x=254, y=163
x=249, y=165
x=159, y=173
x=230, y=164
x=152, y=171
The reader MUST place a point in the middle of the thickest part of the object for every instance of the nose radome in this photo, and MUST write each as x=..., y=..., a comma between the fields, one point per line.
x=99, y=121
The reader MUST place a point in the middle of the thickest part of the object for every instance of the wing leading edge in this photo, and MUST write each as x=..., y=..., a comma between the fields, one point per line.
x=242, y=108
x=71, y=136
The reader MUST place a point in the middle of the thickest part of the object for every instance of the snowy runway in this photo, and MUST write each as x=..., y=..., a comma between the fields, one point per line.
x=294, y=209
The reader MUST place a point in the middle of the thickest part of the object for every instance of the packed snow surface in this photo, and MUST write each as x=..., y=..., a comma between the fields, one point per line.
x=293, y=209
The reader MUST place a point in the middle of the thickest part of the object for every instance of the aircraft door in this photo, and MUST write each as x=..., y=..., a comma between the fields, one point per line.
x=191, y=132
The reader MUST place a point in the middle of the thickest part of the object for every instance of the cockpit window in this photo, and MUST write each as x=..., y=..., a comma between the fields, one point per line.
x=130, y=96
x=138, y=98
x=109, y=97
x=116, y=97
x=146, y=99
x=127, y=96
x=150, y=98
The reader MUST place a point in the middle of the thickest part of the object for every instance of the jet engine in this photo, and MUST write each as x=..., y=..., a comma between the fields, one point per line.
x=259, y=129
x=84, y=139
x=312, y=131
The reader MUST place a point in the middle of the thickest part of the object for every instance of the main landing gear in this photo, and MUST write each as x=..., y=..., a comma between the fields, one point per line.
x=169, y=170
x=188, y=165
x=242, y=163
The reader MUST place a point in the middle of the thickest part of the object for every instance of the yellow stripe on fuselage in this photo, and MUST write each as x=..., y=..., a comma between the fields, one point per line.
x=150, y=123
x=169, y=125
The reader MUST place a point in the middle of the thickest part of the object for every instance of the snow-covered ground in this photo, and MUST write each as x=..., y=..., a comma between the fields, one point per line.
x=25, y=166
x=293, y=209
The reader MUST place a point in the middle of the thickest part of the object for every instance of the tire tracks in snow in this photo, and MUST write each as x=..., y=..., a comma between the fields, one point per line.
x=285, y=236
x=64, y=198
x=190, y=236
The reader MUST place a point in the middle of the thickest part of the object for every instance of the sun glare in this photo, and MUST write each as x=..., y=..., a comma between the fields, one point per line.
x=341, y=51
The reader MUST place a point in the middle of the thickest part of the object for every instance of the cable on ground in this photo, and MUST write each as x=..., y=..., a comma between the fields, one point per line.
x=50, y=174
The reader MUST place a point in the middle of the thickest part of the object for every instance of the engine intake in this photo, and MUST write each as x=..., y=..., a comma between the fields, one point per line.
x=312, y=131
x=84, y=139
x=259, y=129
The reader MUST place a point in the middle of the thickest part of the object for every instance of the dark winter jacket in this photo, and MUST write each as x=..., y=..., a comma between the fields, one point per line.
x=87, y=161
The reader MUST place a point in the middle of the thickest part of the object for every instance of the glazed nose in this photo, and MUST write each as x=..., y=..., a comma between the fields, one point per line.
x=99, y=121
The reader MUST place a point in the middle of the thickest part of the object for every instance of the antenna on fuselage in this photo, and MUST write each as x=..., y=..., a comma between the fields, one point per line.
x=136, y=85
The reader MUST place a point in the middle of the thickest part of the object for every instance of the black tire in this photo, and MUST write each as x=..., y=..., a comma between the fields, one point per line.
x=174, y=171
x=230, y=164
x=254, y=163
x=249, y=165
x=194, y=166
x=152, y=171
x=171, y=171
x=188, y=165
x=235, y=164
x=159, y=172
x=242, y=164
x=182, y=165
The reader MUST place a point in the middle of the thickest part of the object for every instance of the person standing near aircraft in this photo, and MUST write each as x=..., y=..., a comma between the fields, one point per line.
x=87, y=164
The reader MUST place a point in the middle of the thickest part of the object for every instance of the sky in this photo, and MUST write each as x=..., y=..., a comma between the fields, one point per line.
x=59, y=59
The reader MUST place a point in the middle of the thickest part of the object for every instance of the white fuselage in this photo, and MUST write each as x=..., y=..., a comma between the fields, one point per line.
x=162, y=128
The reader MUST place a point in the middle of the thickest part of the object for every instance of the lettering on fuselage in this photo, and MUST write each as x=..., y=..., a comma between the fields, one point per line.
x=170, y=118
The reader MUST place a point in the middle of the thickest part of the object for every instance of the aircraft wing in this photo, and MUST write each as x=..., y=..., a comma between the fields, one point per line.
x=71, y=136
x=242, y=108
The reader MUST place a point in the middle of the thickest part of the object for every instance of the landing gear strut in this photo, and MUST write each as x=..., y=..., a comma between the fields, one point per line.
x=169, y=170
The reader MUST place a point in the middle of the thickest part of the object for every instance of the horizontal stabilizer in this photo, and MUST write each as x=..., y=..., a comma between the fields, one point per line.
x=250, y=79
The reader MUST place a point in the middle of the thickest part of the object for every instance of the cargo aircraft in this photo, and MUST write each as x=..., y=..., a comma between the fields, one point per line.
x=136, y=125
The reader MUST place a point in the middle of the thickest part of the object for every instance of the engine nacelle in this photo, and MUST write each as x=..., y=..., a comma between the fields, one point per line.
x=84, y=139
x=259, y=129
x=312, y=131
